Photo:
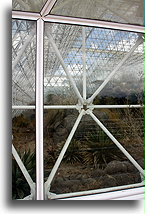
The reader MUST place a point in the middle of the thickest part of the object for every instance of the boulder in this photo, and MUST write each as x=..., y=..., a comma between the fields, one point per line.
x=130, y=166
x=127, y=178
x=115, y=167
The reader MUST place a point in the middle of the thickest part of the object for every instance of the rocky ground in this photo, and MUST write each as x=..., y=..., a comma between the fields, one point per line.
x=79, y=178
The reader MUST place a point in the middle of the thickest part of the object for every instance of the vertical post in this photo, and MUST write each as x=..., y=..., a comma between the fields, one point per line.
x=84, y=61
x=39, y=112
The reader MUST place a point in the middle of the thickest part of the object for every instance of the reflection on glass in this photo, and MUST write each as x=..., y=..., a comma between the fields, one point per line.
x=30, y=5
x=23, y=131
x=104, y=50
x=57, y=86
x=23, y=62
x=92, y=160
x=114, y=10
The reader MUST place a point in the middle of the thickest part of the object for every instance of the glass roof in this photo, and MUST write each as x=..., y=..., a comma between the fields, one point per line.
x=122, y=11
x=28, y=5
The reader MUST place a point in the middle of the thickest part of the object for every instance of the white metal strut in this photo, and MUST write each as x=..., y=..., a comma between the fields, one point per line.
x=62, y=153
x=39, y=112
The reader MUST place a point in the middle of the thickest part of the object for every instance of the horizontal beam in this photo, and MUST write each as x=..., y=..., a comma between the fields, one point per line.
x=114, y=195
x=25, y=107
x=25, y=15
x=78, y=21
x=93, y=23
x=97, y=191
x=45, y=107
x=115, y=106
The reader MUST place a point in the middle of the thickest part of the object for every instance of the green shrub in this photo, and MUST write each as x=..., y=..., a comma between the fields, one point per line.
x=73, y=154
x=20, y=187
x=99, y=150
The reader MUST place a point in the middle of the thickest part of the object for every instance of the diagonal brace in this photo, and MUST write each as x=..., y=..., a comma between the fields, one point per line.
x=23, y=169
x=139, y=41
x=22, y=50
x=65, y=68
x=116, y=142
x=62, y=153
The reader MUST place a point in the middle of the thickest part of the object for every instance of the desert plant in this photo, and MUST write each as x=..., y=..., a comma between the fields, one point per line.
x=73, y=154
x=99, y=150
x=20, y=187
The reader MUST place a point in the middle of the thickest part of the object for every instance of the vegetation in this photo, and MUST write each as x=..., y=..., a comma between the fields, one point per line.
x=20, y=187
x=94, y=149
x=100, y=150
x=74, y=153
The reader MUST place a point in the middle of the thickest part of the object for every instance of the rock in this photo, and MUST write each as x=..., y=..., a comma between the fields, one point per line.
x=115, y=166
x=127, y=178
x=130, y=166
x=107, y=181
x=97, y=173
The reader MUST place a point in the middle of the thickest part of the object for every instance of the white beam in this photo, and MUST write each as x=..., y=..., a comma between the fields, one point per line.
x=62, y=153
x=116, y=142
x=23, y=169
x=77, y=21
x=84, y=62
x=65, y=68
x=114, y=106
x=47, y=7
x=24, y=107
x=114, y=195
x=93, y=23
x=25, y=15
x=39, y=112
x=96, y=191
x=139, y=41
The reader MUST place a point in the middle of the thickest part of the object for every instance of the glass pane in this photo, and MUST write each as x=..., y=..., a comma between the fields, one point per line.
x=28, y=5
x=23, y=62
x=104, y=50
x=57, y=86
x=23, y=131
x=124, y=11
x=92, y=160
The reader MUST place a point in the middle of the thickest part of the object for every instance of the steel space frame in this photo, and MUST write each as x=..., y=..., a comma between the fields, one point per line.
x=41, y=190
